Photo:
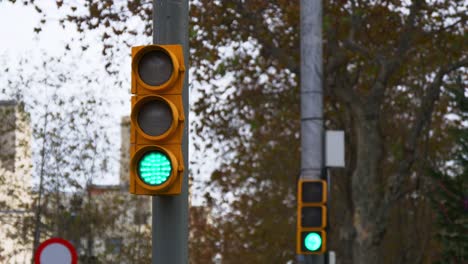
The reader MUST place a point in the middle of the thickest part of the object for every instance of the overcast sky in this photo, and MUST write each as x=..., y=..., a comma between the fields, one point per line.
x=18, y=41
x=17, y=24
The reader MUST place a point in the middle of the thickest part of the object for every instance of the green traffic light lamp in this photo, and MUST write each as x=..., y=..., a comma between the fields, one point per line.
x=313, y=241
x=154, y=168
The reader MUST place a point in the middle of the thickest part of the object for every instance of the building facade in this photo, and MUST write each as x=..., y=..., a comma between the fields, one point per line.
x=15, y=182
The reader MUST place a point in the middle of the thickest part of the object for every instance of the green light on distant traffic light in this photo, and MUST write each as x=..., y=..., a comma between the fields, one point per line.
x=312, y=241
x=154, y=168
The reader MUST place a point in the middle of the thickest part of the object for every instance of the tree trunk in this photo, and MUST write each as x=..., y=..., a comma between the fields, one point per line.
x=368, y=223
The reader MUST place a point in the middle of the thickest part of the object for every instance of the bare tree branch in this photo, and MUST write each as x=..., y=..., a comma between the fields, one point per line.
x=270, y=49
x=350, y=43
x=388, y=65
x=407, y=34
x=422, y=119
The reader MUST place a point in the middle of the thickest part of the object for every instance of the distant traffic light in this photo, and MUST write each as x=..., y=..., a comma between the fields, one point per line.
x=311, y=217
x=157, y=120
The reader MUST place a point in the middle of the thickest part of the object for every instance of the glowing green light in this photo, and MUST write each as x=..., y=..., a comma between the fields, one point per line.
x=154, y=168
x=313, y=241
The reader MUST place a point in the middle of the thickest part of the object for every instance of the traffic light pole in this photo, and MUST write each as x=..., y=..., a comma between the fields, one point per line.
x=311, y=98
x=170, y=213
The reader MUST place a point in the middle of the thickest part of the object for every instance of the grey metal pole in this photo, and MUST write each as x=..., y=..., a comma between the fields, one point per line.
x=170, y=213
x=311, y=97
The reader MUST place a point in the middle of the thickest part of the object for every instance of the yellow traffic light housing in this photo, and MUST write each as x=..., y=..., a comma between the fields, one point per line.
x=157, y=120
x=311, y=236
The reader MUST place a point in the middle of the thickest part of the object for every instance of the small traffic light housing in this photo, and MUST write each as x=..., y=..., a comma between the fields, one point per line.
x=311, y=217
x=157, y=120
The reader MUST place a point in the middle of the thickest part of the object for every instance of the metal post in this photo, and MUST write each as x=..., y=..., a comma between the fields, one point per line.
x=170, y=213
x=311, y=97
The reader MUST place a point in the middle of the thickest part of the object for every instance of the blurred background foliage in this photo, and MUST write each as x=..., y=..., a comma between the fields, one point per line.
x=391, y=72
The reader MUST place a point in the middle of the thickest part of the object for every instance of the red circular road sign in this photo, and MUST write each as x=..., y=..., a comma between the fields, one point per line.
x=55, y=251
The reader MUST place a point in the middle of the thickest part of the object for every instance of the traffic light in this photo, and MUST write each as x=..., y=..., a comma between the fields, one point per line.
x=156, y=120
x=311, y=236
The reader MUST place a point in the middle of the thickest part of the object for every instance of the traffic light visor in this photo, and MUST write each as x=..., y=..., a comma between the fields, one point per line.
x=154, y=168
x=156, y=67
x=156, y=117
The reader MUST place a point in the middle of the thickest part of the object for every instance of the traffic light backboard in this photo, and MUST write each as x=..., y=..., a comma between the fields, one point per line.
x=157, y=120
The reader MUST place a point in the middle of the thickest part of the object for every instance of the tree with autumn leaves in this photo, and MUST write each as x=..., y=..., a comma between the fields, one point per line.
x=387, y=68
x=449, y=191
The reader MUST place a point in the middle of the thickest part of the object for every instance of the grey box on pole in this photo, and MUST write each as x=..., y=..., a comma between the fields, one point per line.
x=334, y=149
